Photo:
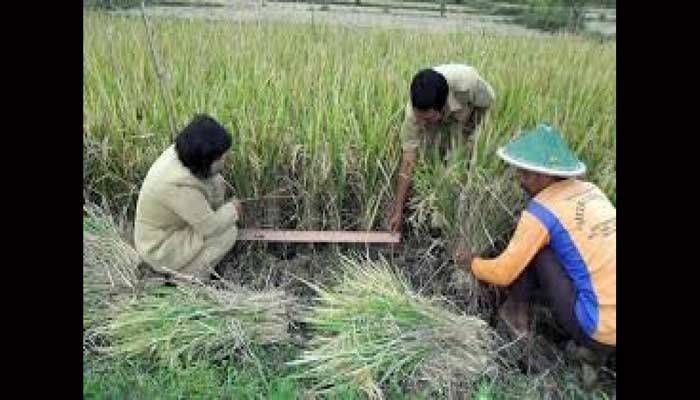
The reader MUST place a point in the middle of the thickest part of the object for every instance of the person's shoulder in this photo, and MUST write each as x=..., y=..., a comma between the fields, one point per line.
x=558, y=191
x=454, y=68
x=583, y=187
x=160, y=166
x=168, y=172
x=569, y=190
x=598, y=193
x=460, y=77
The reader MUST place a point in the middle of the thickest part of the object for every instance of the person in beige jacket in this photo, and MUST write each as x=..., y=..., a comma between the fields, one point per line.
x=183, y=222
x=447, y=103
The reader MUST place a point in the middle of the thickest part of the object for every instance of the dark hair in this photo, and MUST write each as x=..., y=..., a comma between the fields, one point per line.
x=201, y=143
x=428, y=90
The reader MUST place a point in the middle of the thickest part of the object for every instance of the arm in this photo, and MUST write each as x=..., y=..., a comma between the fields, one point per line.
x=484, y=95
x=218, y=188
x=408, y=163
x=409, y=145
x=529, y=237
x=475, y=119
x=482, y=101
x=192, y=206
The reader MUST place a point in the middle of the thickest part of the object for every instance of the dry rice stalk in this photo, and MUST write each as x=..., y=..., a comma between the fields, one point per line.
x=110, y=268
x=107, y=258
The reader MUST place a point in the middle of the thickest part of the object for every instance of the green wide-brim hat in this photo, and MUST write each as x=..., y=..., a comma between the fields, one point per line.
x=544, y=151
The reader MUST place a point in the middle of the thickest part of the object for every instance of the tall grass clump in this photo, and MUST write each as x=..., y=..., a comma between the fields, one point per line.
x=176, y=326
x=371, y=328
x=473, y=208
x=464, y=199
x=108, y=258
x=110, y=265
x=317, y=109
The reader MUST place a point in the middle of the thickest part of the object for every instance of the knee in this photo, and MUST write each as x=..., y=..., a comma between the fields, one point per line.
x=545, y=257
x=224, y=241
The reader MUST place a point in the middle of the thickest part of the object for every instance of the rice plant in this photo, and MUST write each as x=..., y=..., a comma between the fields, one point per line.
x=371, y=327
x=176, y=326
x=317, y=109
x=108, y=259
x=110, y=267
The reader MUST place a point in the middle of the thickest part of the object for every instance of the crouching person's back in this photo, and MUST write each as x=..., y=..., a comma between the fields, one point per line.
x=183, y=223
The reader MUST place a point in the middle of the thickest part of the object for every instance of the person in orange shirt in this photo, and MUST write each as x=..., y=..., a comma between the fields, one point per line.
x=564, y=247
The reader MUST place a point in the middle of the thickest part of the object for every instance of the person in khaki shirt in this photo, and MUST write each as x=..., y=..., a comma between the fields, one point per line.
x=447, y=103
x=183, y=222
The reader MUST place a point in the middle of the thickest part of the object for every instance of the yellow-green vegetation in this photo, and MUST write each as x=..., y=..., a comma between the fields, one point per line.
x=316, y=110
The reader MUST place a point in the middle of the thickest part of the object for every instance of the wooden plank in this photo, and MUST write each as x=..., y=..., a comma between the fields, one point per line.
x=273, y=235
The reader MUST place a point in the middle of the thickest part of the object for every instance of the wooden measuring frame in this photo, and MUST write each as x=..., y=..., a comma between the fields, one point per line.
x=292, y=236
x=273, y=235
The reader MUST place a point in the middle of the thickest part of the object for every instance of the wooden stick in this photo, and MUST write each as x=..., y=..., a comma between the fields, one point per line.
x=272, y=235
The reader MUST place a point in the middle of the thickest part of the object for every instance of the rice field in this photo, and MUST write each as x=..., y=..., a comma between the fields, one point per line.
x=315, y=110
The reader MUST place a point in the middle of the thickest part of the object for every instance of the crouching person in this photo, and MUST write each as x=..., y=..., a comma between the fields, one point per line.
x=563, y=249
x=183, y=223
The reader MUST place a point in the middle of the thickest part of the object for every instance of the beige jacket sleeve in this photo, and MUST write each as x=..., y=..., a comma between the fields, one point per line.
x=192, y=206
x=218, y=191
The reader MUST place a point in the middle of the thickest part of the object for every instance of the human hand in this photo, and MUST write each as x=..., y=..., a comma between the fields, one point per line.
x=239, y=206
x=395, y=221
x=463, y=256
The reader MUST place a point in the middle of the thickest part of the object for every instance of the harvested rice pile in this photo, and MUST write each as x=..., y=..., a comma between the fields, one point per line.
x=372, y=328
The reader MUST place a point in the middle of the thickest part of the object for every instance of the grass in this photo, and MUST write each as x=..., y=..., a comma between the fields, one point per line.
x=141, y=379
x=522, y=387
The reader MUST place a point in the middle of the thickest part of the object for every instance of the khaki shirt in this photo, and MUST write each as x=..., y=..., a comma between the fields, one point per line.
x=177, y=213
x=467, y=93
